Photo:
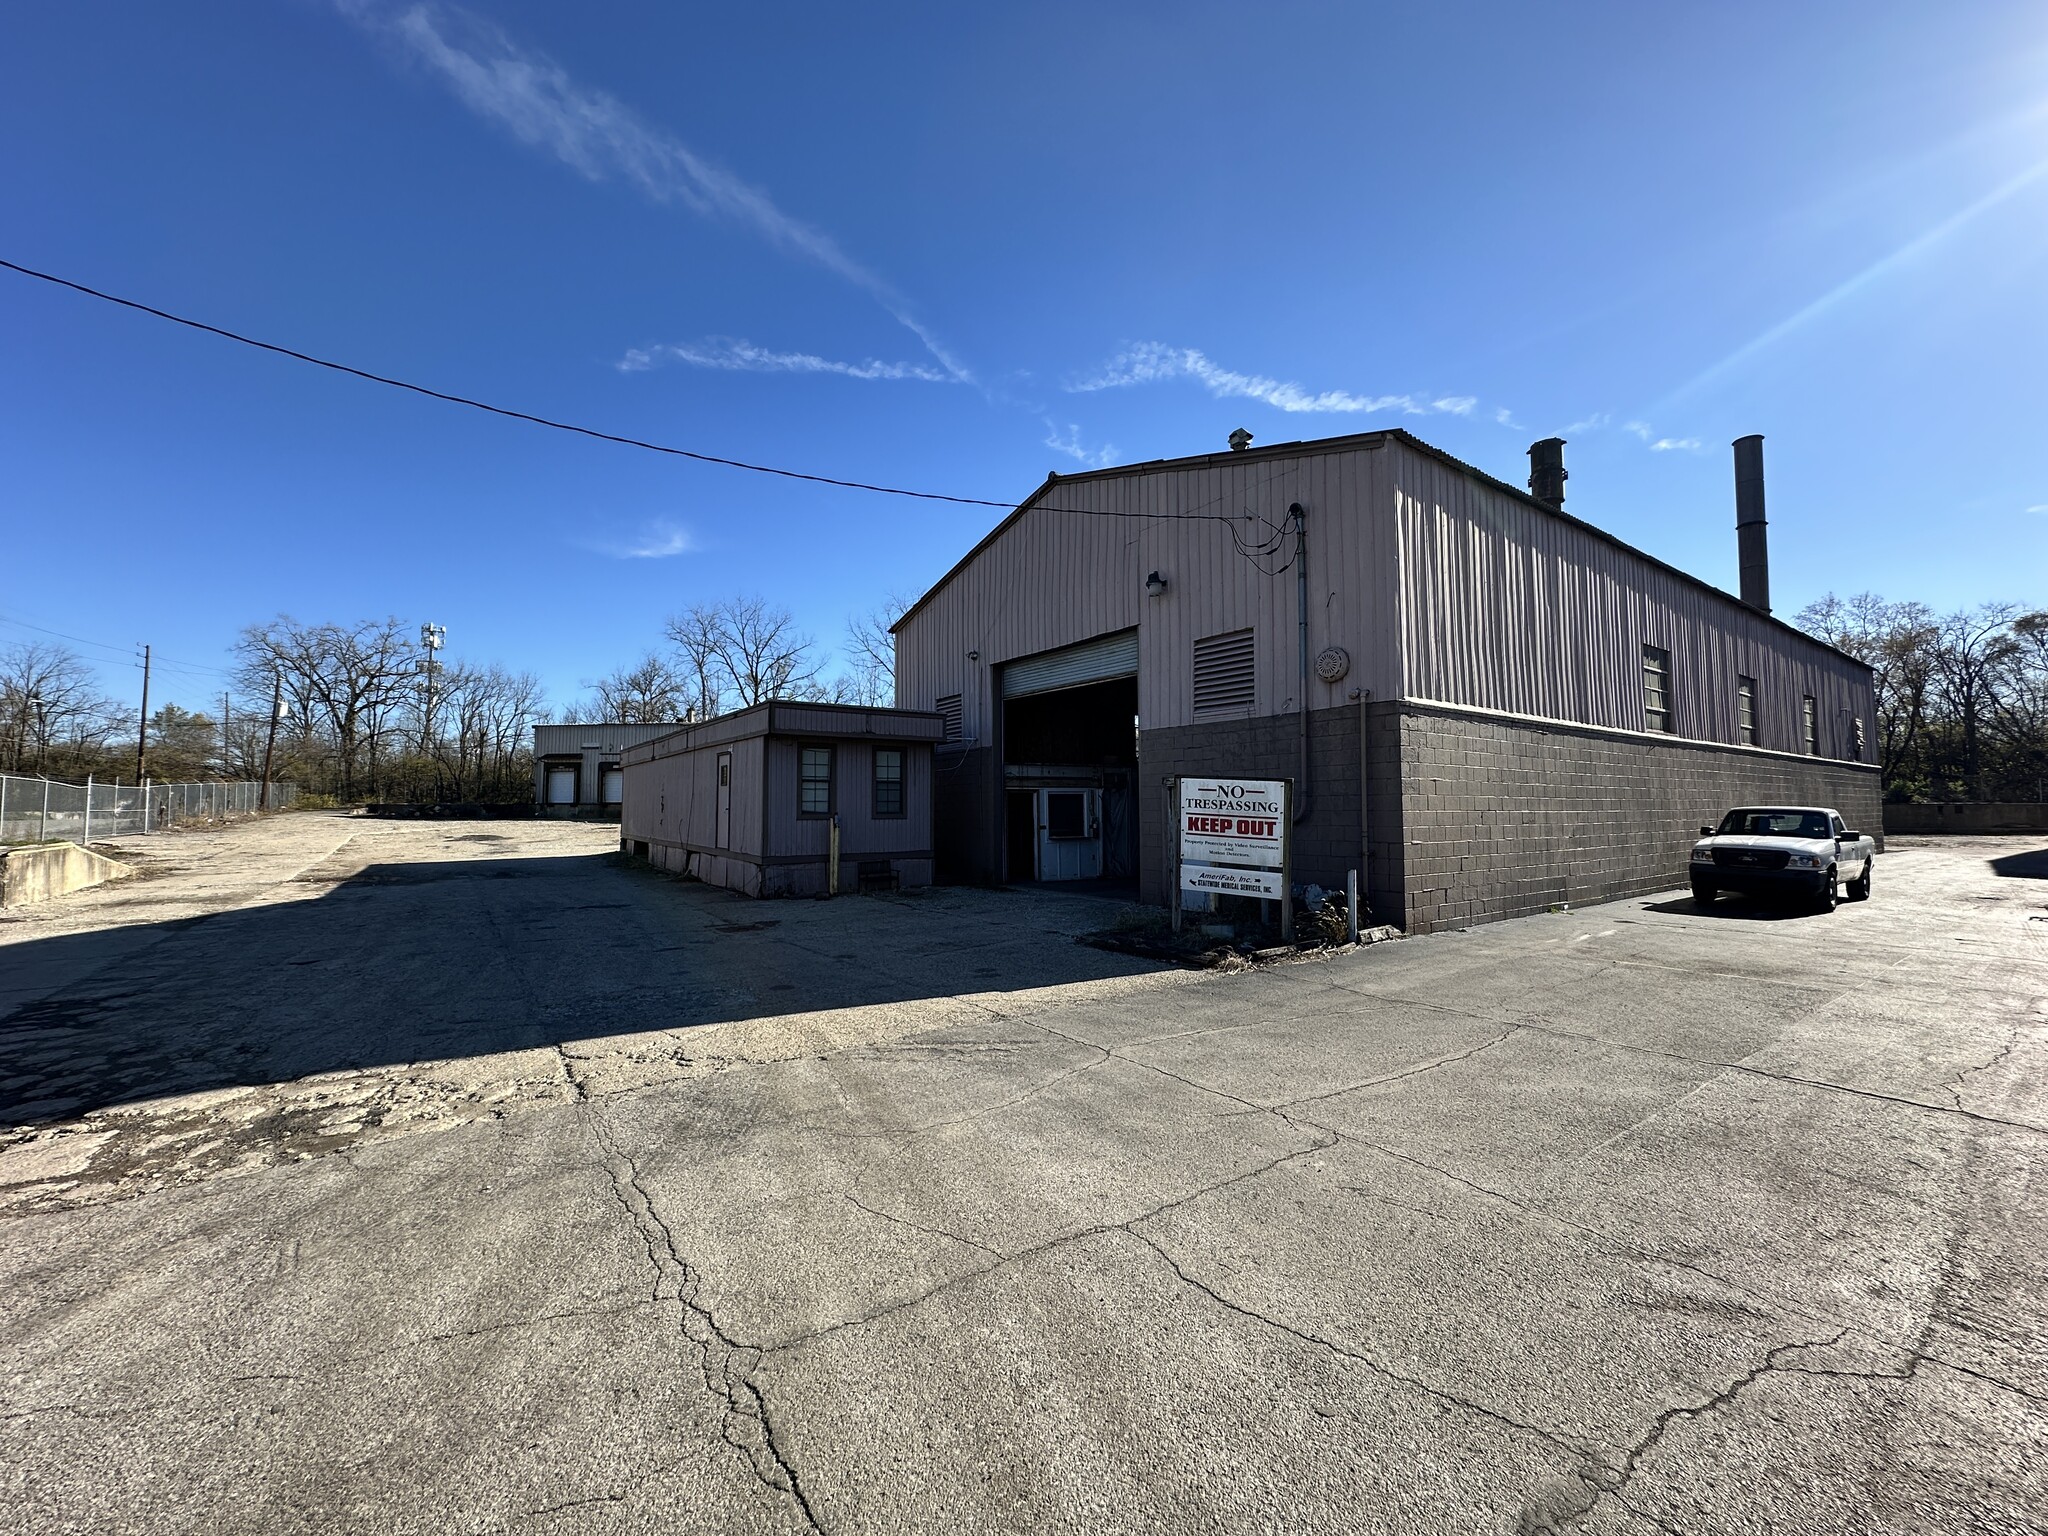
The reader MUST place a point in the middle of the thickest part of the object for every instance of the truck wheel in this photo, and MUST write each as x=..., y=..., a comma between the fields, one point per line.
x=1859, y=888
x=1704, y=893
x=1830, y=893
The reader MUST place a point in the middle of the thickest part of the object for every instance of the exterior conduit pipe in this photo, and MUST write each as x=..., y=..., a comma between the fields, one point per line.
x=1301, y=783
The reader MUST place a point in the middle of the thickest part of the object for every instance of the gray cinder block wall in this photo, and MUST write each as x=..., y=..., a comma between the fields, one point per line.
x=1326, y=842
x=1504, y=818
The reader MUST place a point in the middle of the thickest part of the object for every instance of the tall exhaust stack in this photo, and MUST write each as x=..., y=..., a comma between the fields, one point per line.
x=1546, y=472
x=1752, y=546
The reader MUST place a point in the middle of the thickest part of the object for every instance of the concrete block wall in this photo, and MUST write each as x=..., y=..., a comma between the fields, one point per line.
x=1985, y=817
x=1503, y=817
x=1326, y=841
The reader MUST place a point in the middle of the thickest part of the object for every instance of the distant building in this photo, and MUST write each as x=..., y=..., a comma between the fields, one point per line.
x=1485, y=704
x=749, y=800
x=576, y=767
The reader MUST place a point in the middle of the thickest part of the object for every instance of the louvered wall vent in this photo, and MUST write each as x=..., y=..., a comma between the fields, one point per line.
x=1224, y=676
x=949, y=717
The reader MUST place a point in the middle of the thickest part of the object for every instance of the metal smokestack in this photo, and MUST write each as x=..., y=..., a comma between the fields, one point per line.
x=1752, y=545
x=1546, y=472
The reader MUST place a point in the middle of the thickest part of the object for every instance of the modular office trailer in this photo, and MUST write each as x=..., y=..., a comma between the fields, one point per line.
x=1487, y=705
x=749, y=800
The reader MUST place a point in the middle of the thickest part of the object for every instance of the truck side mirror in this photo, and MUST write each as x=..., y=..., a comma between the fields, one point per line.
x=1849, y=837
x=1706, y=831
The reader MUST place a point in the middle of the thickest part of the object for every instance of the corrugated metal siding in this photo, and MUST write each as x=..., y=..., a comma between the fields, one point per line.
x=861, y=834
x=1092, y=661
x=674, y=798
x=1508, y=608
x=1054, y=579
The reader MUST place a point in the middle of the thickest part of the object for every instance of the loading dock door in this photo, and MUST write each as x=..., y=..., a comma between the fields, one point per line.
x=614, y=786
x=561, y=786
x=725, y=799
x=1092, y=661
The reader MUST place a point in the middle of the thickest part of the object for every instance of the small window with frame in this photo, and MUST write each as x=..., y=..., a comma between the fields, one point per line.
x=1745, y=711
x=814, y=781
x=1809, y=717
x=1656, y=689
x=888, y=781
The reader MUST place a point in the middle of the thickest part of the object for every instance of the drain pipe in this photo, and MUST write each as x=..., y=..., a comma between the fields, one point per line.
x=1301, y=784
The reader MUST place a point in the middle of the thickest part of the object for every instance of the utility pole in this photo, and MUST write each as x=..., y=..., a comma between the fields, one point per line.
x=276, y=709
x=227, y=720
x=142, y=727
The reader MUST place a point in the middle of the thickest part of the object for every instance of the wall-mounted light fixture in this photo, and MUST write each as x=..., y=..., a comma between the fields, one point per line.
x=1155, y=584
x=974, y=655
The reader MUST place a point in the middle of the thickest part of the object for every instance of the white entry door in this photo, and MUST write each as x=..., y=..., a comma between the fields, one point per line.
x=1069, y=834
x=561, y=786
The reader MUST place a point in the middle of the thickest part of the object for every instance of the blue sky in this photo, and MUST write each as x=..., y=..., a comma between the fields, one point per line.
x=954, y=247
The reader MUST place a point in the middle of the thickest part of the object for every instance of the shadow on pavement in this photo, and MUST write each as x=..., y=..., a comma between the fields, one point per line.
x=2022, y=866
x=412, y=962
x=1749, y=908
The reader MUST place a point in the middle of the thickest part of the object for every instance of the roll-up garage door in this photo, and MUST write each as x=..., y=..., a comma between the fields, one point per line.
x=1092, y=661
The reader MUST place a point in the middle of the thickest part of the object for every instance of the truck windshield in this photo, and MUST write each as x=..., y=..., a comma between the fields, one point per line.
x=1756, y=823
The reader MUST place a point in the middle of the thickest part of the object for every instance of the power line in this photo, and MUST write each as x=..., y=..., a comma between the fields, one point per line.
x=592, y=432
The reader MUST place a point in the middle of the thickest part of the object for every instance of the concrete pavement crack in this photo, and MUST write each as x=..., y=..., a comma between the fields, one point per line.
x=796, y=1341
x=951, y=1237
x=1661, y=1425
x=727, y=1366
x=1632, y=1250
x=1415, y=1071
x=1579, y=1453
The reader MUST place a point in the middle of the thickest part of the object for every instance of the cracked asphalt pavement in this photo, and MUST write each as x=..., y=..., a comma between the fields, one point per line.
x=388, y=1177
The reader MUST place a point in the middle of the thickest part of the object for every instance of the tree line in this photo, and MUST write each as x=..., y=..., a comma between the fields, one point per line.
x=741, y=651
x=1962, y=698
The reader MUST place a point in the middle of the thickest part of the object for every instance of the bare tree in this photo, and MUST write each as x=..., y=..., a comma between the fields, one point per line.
x=870, y=675
x=1898, y=642
x=742, y=652
x=1974, y=648
x=650, y=692
x=340, y=680
x=52, y=713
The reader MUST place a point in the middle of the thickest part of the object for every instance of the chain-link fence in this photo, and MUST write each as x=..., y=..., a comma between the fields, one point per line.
x=43, y=810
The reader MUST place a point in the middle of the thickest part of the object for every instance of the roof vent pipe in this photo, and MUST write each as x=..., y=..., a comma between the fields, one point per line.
x=1546, y=472
x=1752, y=546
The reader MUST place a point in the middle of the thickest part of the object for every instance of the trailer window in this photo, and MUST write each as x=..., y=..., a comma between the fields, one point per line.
x=814, y=784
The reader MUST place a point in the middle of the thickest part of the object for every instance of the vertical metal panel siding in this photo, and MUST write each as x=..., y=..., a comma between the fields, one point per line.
x=1054, y=579
x=674, y=799
x=1506, y=607
x=861, y=834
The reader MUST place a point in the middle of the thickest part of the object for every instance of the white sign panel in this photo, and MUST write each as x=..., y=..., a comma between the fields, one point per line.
x=1232, y=882
x=1233, y=821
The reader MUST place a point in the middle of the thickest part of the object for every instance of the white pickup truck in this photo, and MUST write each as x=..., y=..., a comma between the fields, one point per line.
x=1774, y=850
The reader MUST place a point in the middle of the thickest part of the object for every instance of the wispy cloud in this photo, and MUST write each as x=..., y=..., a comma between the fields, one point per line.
x=599, y=137
x=1154, y=362
x=1592, y=423
x=1071, y=445
x=1640, y=428
x=1506, y=417
x=744, y=357
x=2040, y=506
x=1668, y=444
x=656, y=540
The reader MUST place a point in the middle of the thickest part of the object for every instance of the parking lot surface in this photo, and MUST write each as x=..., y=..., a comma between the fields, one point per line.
x=367, y=1177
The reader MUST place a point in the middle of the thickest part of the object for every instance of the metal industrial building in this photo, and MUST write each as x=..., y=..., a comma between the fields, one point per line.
x=576, y=768
x=753, y=800
x=1491, y=705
